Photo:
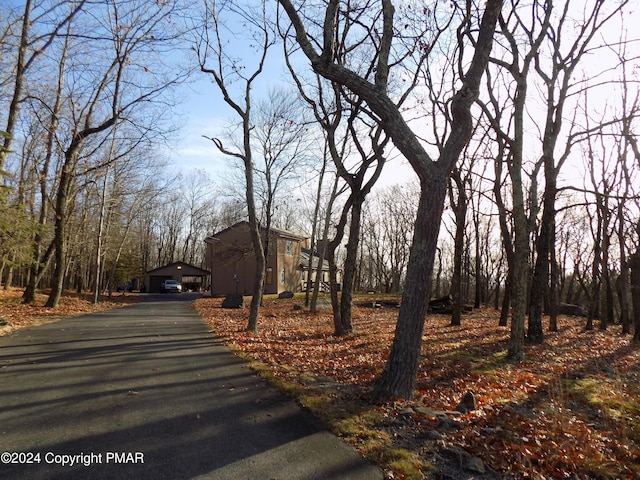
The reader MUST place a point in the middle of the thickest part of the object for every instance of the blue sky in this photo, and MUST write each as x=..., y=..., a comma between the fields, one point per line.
x=206, y=114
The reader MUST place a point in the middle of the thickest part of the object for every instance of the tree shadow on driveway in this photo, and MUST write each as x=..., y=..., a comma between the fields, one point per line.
x=151, y=384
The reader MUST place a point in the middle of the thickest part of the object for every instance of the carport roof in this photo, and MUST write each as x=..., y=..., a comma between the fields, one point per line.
x=189, y=269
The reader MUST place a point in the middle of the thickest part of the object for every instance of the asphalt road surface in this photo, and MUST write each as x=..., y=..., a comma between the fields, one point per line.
x=147, y=392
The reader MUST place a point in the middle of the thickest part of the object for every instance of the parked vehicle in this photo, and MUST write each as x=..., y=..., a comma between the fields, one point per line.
x=171, y=286
x=125, y=288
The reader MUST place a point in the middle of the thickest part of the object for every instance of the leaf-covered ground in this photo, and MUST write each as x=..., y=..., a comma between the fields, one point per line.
x=570, y=410
x=14, y=314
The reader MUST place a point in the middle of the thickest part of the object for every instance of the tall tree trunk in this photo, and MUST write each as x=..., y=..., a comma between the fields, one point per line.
x=332, y=246
x=8, y=281
x=334, y=286
x=314, y=234
x=505, y=235
x=553, y=288
x=100, y=233
x=596, y=273
x=541, y=274
x=323, y=253
x=8, y=278
x=623, y=279
x=520, y=274
x=350, y=264
x=479, y=287
x=258, y=248
x=41, y=263
x=459, y=207
x=436, y=290
x=607, y=315
x=398, y=377
x=505, y=308
x=520, y=271
x=18, y=85
x=63, y=199
x=359, y=191
x=634, y=265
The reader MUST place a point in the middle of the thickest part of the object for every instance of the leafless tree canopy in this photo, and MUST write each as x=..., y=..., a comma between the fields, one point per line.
x=514, y=124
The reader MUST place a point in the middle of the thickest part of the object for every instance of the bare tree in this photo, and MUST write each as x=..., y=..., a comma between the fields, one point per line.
x=118, y=192
x=340, y=118
x=123, y=80
x=30, y=46
x=360, y=186
x=49, y=118
x=460, y=198
x=309, y=299
x=458, y=202
x=398, y=377
x=533, y=46
x=633, y=260
x=556, y=74
x=283, y=140
x=387, y=232
x=197, y=206
x=228, y=71
x=511, y=149
x=627, y=149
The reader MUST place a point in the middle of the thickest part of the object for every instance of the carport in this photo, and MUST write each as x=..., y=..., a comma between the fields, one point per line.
x=192, y=278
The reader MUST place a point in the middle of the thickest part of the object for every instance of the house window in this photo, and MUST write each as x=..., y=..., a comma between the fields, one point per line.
x=282, y=276
x=269, y=277
x=289, y=248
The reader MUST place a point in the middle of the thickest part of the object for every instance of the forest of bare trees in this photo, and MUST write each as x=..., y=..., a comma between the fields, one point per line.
x=89, y=198
x=515, y=123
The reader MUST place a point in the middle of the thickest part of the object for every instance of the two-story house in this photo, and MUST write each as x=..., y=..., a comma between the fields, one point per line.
x=231, y=258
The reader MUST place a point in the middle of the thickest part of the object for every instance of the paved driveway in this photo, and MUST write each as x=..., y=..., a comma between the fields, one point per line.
x=147, y=392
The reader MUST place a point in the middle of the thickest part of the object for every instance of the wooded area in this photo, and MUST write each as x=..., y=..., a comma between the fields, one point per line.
x=568, y=410
x=518, y=120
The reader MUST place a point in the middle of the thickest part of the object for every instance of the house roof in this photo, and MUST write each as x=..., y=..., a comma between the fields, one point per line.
x=193, y=270
x=244, y=224
x=305, y=254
